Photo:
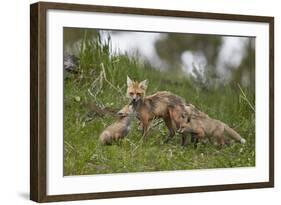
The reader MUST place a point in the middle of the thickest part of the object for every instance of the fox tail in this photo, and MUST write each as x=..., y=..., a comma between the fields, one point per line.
x=232, y=133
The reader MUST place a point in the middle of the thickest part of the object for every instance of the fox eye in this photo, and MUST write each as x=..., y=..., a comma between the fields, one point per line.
x=131, y=93
x=138, y=94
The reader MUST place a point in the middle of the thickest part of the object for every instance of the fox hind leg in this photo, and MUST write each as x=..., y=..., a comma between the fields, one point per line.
x=220, y=136
x=221, y=140
x=169, y=124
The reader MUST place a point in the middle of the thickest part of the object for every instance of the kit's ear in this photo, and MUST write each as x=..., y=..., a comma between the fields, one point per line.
x=129, y=81
x=144, y=84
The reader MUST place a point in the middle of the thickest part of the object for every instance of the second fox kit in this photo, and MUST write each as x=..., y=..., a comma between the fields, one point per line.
x=153, y=106
x=200, y=125
x=120, y=128
x=207, y=127
x=180, y=115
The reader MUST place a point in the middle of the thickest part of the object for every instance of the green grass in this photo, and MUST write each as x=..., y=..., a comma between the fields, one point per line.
x=98, y=90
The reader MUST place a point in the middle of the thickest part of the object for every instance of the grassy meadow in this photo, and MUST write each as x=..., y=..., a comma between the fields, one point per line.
x=97, y=91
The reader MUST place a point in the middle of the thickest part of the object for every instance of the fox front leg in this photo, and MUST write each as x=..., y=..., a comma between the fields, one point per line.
x=194, y=139
x=145, y=125
x=183, y=140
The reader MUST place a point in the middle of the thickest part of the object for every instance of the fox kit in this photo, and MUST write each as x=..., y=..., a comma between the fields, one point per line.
x=153, y=106
x=193, y=112
x=208, y=127
x=120, y=128
x=180, y=115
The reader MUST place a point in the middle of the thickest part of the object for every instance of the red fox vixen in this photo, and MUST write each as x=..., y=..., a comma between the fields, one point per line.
x=153, y=106
x=119, y=129
x=208, y=127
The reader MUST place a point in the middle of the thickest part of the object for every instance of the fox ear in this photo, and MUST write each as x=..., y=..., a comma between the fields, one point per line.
x=143, y=84
x=129, y=81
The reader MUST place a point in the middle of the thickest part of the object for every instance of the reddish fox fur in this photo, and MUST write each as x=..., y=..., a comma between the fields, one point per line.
x=120, y=128
x=153, y=106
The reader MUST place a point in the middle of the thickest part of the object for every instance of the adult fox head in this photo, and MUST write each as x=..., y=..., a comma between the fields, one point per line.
x=136, y=90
